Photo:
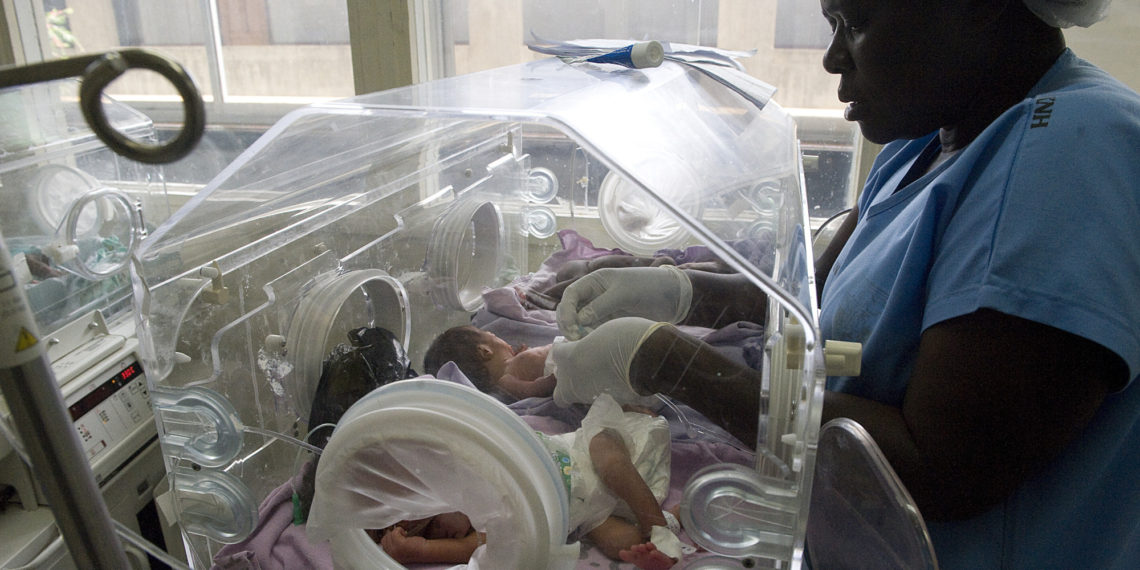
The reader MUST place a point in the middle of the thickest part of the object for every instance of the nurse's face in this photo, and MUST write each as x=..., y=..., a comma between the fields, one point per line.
x=906, y=67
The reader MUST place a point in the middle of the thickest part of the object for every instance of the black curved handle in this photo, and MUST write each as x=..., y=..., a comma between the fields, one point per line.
x=109, y=66
x=98, y=71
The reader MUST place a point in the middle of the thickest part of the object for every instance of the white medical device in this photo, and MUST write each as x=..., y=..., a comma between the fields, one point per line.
x=71, y=213
x=400, y=209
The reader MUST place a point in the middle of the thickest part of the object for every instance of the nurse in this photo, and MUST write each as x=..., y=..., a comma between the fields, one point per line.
x=990, y=269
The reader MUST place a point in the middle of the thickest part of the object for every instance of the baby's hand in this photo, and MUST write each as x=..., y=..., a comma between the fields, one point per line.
x=401, y=547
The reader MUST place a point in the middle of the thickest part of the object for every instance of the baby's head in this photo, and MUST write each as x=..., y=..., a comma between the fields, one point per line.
x=492, y=364
x=461, y=346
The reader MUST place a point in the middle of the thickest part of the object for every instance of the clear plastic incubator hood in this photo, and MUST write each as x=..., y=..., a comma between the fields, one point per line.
x=450, y=203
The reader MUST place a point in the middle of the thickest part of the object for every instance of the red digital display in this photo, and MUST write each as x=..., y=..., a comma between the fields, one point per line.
x=130, y=372
x=106, y=390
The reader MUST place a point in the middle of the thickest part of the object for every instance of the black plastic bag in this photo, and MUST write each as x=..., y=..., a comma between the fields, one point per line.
x=373, y=358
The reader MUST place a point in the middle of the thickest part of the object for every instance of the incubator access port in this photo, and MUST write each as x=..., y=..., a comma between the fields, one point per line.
x=53, y=189
x=197, y=425
x=334, y=305
x=422, y=444
x=643, y=224
x=213, y=504
x=464, y=254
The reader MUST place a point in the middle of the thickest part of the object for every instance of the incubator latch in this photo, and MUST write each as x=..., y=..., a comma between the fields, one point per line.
x=794, y=344
x=217, y=294
x=275, y=343
x=198, y=424
x=842, y=358
x=734, y=511
x=213, y=504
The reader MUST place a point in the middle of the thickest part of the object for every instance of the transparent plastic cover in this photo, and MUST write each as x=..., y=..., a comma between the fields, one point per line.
x=445, y=204
x=861, y=510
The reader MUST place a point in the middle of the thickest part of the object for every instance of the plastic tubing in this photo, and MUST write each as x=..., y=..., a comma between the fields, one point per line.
x=283, y=437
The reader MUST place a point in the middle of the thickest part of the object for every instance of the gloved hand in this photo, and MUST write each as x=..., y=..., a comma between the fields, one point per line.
x=656, y=293
x=599, y=363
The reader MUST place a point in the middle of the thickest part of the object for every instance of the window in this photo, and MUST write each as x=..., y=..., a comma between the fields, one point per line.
x=252, y=59
x=256, y=59
x=800, y=26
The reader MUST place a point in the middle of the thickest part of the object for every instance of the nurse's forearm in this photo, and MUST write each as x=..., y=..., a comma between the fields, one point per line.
x=992, y=399
x=721, y=299
x=888, y=428
x=939, y=492
x=693, y=372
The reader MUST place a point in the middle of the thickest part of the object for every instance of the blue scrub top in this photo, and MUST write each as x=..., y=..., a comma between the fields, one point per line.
x=1038, y=217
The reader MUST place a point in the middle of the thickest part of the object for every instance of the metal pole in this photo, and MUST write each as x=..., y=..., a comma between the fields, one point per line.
x=58, y=461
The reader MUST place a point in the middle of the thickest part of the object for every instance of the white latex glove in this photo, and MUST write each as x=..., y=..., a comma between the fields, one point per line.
x=599, y=363
x=656, y=293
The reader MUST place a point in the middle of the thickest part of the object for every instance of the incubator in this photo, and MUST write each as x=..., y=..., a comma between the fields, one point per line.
x=72, y=211
x=421, y=208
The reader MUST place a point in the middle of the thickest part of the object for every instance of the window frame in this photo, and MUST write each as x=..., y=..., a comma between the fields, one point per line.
x=380, y=40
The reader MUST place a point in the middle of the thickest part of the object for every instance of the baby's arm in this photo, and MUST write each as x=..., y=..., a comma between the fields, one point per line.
x=413, y=549
x=522, y=389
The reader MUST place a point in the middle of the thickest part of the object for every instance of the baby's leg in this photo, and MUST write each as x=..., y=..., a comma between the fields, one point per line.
x=618, y=539
x=621, y=540
x=647, y=557
x=615, y=468
x=615, y=536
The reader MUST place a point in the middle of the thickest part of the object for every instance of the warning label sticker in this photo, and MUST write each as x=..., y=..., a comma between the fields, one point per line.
x=18, y=342
x=26, y=340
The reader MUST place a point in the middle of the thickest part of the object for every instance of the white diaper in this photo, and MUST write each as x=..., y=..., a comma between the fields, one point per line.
x=646, y=437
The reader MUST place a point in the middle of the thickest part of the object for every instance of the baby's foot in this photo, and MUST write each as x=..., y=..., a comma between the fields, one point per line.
x=647, y=557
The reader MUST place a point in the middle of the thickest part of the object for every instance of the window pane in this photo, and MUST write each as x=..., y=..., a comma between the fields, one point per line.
x=799, y=25
x=284, y=49
x=682, y=21
x=103, y=25
x=482, y=34
x=293, y=51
